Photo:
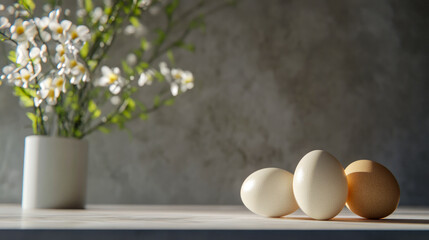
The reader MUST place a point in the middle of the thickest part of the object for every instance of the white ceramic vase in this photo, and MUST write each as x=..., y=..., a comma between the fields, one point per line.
x=54, y=173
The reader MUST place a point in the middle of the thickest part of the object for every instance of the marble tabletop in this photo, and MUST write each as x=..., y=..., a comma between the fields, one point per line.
x=194, y=217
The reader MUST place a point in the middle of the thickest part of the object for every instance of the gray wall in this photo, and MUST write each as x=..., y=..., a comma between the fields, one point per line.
x=275, y=79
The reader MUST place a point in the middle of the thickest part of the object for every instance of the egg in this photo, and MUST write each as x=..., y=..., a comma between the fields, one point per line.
x=268, y=192
x=373, y=190
x=320, y=185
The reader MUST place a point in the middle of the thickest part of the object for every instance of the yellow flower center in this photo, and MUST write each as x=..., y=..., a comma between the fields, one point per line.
x=26, y=77
x=189, y=80
x=74, y=35
x=51, y=94
x=60, y=30
x=60, y=82
x=20, y=30
x=81, y=68
x=113, y=78
x=177, y=76
x=73, y=63
x=62, y=59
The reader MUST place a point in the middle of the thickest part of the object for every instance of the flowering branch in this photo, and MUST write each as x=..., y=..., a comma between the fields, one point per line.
x=57, y=66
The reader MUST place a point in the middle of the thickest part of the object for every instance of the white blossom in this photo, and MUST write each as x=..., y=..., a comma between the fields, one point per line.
x=22, y=55
x=77, y=70
x=115, y=100
x=39, y=54
x=4, y=23
x=23, y=31
x=10, y=10
x=49, y=90
x=130, y=30
x=81, y=13
x=111, y=78
x=42, y=24
x=97, y=14
x=79, y=33
x=59, y=30
x=131, y=59
x=180, y=81
x=146, y=78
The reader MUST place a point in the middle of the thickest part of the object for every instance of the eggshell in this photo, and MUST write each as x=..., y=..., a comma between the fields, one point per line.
x=373, y=190
x=320, y=185
x=268, y=192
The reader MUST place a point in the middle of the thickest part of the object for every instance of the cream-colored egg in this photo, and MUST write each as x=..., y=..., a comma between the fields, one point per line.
x=320, y=185
x=373, y=190
x=268, y=192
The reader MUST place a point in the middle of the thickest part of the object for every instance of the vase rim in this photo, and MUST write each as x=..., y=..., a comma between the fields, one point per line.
x=56, y=138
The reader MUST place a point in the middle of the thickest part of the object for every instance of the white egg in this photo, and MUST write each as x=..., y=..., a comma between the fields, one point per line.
x=320, y=185
x=268, y=192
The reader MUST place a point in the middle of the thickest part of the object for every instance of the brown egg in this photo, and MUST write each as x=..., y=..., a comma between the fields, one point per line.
x=373, y=190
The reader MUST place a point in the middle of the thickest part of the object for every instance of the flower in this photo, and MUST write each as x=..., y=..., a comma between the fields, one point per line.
x=180, y=81
x=8, y=69
x=22, y=56
x=42, y=24
x=59, y=30
x=22, y=78
x=77, y=70
x=60, y=55
x=146, y=78
x=49, y=91
x=79, y=33
x=111, y=78
x=186, y=81
x=23, y=31
x=4, y=23
x=39, y=54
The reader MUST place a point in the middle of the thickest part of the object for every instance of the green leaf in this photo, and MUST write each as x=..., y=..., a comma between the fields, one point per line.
x=31, y=116
x=88, y=5
x=170, y=57
x=187, y=46
x=96, y=114
x=127, y=114
x=141, y=106
x=157, y=101
x=169, y=9
x=92, y=64
x=161, y=37
x=143, y=116
x=198, y=22
x=159, y=76
x=127, y=69
x=92, y=107
x=33, y=119
x=25, y=96
x=12, y=56
x=77, y=133
x=169, y=102
x=131, y=104
x=28, y=4
x=144, y=44
x=84, y=51
x=134, y=21
x=103, y=130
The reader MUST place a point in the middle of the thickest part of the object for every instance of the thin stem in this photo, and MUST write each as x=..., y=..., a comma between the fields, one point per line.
x=8, y=38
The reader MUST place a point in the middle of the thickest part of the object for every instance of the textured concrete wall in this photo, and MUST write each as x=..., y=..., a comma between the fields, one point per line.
x=275, y=79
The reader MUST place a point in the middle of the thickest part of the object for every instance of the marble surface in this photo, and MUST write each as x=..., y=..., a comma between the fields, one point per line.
x=193, y=217
x=274, y=80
